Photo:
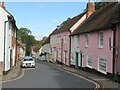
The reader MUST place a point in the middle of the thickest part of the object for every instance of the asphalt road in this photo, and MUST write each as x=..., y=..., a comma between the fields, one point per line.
x=44, y=76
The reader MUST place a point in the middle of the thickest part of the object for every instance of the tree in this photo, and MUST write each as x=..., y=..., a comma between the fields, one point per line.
x=28, y=40
x=44, y=38
x=101, y=4
x=22, y=33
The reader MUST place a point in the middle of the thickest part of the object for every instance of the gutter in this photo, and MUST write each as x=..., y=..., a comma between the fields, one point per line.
x=9, y=20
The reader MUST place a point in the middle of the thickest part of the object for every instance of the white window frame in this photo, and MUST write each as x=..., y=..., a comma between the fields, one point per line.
x=101, y=45
x=87, y=39
x=87, y=59
x=104, y=72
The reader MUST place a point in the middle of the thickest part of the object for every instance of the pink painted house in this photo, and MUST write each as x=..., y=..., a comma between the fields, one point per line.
x=96, y=40
x=116, y=28
x=60, y=40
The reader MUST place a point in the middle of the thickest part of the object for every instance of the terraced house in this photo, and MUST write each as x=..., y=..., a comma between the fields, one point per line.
x=60, y=40
x=98, y=41
x=7, y=40
x=45, y=51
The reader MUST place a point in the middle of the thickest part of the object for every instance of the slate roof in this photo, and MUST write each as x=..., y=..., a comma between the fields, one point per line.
x=100, y=19
x=66, y=25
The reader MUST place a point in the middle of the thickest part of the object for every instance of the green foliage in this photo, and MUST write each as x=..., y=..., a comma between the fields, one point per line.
x=101, y=4
x=116, y=79
x=22, y=33
x=28, y=40
x=44, y=38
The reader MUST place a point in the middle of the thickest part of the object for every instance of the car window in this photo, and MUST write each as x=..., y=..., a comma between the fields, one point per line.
x=29, y=59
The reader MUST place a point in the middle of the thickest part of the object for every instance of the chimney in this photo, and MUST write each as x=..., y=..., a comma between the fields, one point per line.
x=90, y=8
x=2, y=4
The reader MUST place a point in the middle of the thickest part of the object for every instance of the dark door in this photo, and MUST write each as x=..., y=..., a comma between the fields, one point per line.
x=77, y=58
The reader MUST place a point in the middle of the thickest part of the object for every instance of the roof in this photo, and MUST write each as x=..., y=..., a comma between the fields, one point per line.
x=35, y=48
x=19, y=43
x=47, y=41
x=100, y=19
x=66, y=25
x=9, y=17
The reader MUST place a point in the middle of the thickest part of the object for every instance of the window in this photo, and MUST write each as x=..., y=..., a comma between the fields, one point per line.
x=89, y=61
x=102, y=65
x=65, y=57
x=64, y=38
x=87, y=39
x=59, y=39
x=100, y=39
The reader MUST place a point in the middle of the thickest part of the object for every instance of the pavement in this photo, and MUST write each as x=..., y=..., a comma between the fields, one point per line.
x=104, y=82
x=13, y=73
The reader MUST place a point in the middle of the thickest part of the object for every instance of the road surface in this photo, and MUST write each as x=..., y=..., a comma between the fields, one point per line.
x=44, y=76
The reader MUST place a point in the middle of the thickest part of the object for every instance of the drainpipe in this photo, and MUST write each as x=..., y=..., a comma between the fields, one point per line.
x=16, y=29
x=70, y=48
x=4, y=72
x=114, y=50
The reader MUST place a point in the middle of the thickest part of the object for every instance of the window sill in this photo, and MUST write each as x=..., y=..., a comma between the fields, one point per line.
x=100, y=47
x=89, y=66
x=86, y=46
x=102, y=71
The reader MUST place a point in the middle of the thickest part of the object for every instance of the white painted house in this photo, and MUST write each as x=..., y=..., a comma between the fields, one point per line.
x=7, y=40
x=35, y=51
x=45, y=51
x=76, y=54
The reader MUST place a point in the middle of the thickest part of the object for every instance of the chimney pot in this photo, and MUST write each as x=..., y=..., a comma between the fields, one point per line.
x=2, y=4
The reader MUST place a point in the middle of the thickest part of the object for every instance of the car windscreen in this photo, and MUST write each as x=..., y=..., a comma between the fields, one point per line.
x=28, y=59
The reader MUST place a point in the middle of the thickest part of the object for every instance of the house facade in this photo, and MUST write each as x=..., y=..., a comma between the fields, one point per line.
x=117, y=56
x=96, y=40
x=8, y=40
x=35, y=51
x=45, y=51
x=76, y=56
x=60, y=40
x=20, y=54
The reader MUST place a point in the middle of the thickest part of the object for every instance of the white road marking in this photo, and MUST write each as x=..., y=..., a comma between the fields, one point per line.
x=22, y=74
x=97, y=86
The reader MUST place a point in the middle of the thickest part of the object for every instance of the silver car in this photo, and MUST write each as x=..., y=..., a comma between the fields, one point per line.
x=28, y=61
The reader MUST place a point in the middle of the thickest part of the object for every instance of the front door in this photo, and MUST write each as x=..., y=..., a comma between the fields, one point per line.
x=77, y=58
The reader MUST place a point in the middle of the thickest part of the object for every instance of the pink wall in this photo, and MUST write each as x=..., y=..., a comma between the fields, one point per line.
x=95, y=51
x=58, y=45
x=118, y=47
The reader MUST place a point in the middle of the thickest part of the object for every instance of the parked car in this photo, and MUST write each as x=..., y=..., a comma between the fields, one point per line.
x=28, y=61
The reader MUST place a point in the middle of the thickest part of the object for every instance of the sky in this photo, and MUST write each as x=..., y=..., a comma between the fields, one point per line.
x=43, y=17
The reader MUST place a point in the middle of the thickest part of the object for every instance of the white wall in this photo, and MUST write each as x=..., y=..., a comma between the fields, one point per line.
x=75, y=48
x=8, y=40
x=45, y=49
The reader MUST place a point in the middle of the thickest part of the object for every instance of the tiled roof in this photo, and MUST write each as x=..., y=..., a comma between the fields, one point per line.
x=66, y=25
x=100, y=19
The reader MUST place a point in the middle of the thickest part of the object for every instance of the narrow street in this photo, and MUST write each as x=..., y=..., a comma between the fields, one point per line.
x=44, y=76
